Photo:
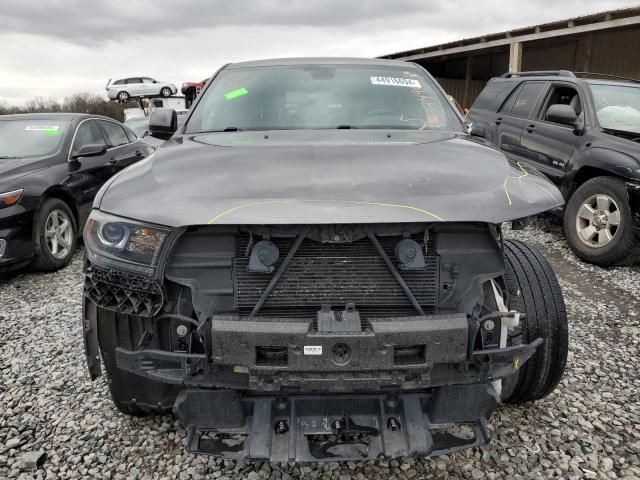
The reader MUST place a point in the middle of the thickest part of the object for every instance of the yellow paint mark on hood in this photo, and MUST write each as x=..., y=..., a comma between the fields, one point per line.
x=351, y=202
x=506, y=190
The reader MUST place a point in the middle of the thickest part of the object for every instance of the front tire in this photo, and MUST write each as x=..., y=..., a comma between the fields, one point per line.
x=55, y=235
x=165, y=92
x=534, y=290
x=123, y=97
x=598, y=224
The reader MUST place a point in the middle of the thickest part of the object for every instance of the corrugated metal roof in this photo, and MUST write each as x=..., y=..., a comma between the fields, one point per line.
x=594, y=18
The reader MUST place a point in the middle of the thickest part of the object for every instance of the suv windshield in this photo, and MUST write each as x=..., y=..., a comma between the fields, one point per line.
x=322, y=97
x=31, y=138
x=617, y=107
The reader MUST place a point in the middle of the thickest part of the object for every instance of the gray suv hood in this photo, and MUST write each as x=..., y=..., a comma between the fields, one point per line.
x=326, y=177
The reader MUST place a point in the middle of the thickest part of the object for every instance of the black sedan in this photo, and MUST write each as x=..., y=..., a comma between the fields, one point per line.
x=51, y=167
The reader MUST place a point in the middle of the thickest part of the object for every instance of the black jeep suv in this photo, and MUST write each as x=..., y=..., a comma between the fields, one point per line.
x=583, y=132
x=313, y=268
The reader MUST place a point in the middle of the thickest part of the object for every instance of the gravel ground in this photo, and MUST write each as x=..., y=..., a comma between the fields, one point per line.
x=588, y=428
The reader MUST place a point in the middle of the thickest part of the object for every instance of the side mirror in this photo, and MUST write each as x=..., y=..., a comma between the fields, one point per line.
x=163, y=123
x=90, y=150
x=562, y=114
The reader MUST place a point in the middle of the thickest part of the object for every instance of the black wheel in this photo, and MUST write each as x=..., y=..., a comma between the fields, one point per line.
x=534, y=290
x=54, y=235
x=123, y=97
x=598, y=223
x=132, y=394
x=165, y=92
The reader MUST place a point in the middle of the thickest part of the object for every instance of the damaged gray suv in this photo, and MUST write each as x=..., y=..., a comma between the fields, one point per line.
x=313, y=268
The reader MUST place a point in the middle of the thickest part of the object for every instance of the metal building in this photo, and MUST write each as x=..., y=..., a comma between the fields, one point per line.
x=607, y=42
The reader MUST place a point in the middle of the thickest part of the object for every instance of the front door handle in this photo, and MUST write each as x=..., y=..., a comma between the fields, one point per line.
x=498, y=120
x=530, y=128
x=138, y=153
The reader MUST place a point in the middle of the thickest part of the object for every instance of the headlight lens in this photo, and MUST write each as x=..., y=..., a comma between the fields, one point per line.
x=124, y=239
x=10, y=198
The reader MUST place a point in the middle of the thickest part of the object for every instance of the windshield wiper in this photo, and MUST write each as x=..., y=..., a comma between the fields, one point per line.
x=225, y=129
x=635, y=136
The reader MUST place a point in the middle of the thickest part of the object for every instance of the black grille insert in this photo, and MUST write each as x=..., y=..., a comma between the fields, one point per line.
x=123, y=292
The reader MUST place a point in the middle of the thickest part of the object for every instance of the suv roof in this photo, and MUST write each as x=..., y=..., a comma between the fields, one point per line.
x=588, y=76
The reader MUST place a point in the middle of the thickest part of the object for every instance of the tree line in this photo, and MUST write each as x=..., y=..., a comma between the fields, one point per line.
x=78, y=103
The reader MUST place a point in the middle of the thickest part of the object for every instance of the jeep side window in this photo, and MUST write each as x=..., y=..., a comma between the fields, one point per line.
x=493, y=95
x=506, y=106
x=562, y=95
x=526, y=99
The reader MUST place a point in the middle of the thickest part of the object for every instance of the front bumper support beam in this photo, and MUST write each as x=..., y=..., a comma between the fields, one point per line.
x=193, y=370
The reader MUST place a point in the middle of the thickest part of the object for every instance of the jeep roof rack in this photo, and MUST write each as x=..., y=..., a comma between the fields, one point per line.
x=539, y=73
x=605, y=76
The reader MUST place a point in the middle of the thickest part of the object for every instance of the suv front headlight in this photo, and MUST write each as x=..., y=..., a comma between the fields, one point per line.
x=129, y=241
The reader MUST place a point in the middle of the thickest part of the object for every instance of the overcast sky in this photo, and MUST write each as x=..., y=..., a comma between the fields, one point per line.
x=55, y=48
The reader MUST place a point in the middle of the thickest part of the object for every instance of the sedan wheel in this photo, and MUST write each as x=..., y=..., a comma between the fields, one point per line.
x=165, y=92
x=55, y=235
x=58, y=234
x=597, y=220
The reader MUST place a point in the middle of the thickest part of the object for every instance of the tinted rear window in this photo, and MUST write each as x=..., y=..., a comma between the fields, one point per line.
x=492, y=96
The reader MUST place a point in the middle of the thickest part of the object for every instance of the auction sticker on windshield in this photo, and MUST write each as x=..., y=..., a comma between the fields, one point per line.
x=396, y=82
x=42, y=128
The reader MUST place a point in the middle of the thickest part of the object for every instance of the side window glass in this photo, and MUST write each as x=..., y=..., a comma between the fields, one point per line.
x=115, y=134
x=88, y=133
x=130, y=135
x=562, y=95
x=493, y=95
x=147, y=80
x=526, y=99
x=508, y=104
x=133, y=80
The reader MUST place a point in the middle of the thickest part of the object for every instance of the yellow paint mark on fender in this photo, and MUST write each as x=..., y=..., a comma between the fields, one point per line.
x=506, y=190
x=351, y=202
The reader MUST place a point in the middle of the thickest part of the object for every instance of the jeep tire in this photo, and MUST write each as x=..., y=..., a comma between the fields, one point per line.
x=600, y=209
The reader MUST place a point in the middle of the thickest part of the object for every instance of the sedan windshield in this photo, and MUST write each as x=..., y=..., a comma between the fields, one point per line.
x=617, y=107
x=31, y=138
x=322, y=97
